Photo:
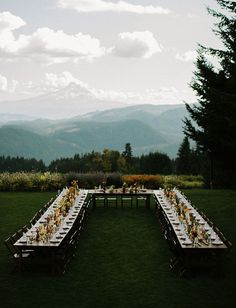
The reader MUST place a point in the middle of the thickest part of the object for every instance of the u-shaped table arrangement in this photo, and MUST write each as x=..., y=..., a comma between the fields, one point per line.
x=54, y=234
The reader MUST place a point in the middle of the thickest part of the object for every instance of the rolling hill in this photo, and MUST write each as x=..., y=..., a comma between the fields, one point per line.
x=146, y=127
x=19, y=142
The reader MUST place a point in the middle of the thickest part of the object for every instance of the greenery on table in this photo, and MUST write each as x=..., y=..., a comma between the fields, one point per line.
x=122, y=261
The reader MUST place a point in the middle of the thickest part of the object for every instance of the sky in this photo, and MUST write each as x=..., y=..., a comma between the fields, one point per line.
x=130, y=51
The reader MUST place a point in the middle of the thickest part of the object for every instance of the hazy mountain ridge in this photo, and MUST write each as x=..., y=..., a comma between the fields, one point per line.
x=146, y=127
x=14, y=118
x=62, y=103
x=20, y=142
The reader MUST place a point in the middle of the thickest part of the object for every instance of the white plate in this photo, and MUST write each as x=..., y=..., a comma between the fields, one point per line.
x=217, y=243
x=187, y=243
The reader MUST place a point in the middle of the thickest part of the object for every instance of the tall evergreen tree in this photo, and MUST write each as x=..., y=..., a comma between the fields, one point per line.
x=213, y=118
x=184, y=158
x=154, y=163
x=127, y=154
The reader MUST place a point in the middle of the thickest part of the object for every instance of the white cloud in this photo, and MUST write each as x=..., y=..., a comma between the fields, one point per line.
x=188, y=56
x=88, y=6
x=136, y=45
x=48, y=46
x=9, y=22
x=164, y=95
x=67, y=85
x=7, y=85
x=54, y=82
x=59, y=46
x=191, y=56
x=45, y=44
x=3, y=83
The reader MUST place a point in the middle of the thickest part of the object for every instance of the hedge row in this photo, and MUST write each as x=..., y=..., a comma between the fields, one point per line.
x=21, y=181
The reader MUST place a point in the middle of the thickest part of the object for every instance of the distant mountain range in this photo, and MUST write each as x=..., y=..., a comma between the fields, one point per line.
x=71, y=100
x=146, y=127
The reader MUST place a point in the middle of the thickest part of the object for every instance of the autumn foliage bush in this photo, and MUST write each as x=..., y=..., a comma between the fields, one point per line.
x=148, y=181
x=90, y=179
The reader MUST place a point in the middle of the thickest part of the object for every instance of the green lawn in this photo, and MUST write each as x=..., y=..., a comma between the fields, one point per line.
x=122, y=260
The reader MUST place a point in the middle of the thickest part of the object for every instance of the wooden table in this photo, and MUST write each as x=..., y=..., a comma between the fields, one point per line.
x=216, y=242
x=51, y=246
x=117, y=195
x=187, y=253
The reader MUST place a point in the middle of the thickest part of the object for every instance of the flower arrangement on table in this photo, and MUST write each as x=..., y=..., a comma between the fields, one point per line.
x=195, y=231
x=46, y=230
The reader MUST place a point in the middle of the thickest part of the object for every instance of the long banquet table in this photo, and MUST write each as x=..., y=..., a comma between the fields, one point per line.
x=215, y=241
x=188, y=251
x=28, y=241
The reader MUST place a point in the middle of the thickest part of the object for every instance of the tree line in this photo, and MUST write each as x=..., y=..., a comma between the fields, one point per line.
x=17, y=164
x=188, y=161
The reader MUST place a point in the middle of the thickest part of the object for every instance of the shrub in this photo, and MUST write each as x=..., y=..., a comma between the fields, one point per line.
x=90, y=180
x=149, y=181
x=184, y=181
x=114, y=179
x=21, y=181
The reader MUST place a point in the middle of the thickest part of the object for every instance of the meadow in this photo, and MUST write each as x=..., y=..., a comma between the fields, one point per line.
x=122, y=259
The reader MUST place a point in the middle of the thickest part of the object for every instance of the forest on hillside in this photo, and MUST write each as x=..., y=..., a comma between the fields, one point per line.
x=188, y=161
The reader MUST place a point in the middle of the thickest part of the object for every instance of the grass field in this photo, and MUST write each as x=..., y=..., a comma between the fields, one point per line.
x=122, y=260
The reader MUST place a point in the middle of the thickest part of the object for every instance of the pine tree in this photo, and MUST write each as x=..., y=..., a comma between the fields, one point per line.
x=184, y=156
x=213, y=118
x=127, y=154
x=155, y=163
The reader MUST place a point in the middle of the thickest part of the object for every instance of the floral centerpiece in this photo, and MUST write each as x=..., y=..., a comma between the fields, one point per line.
x=196, y=232
x=53, y=220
